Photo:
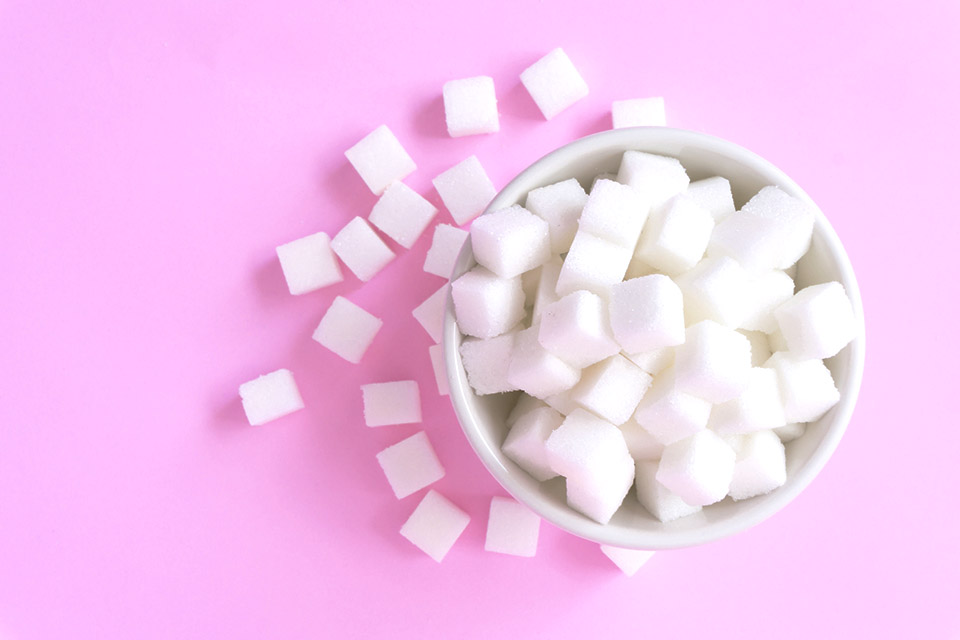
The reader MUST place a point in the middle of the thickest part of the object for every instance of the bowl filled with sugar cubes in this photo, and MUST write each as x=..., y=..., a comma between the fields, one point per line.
x=654, y=338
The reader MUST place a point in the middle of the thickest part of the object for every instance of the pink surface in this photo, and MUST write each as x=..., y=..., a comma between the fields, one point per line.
x=154, y=154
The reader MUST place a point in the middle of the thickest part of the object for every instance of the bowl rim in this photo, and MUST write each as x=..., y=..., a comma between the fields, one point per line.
x=638, y=137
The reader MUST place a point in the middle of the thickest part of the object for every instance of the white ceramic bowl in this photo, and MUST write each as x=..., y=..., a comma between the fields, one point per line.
x=482, y=417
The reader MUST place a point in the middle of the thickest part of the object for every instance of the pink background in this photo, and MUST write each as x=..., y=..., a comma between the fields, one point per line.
x=154, y=154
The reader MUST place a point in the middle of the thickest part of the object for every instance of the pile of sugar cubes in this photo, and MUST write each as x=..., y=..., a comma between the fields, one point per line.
x=655, y=333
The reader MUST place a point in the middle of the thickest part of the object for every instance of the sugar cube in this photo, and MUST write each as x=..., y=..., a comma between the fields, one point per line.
x=380, y=159
x=654, y=361
x=668, y=413
x=486, y=362
x=410, y=465
x=663, y=504
x=510, y=241
x=347, y=329
x=659, y=178
x=713, y=363
x=576, y=329
x=639, y=112
x=640, y=443
x=309, y=264
x=270, y=396
x=537, y=371
x=765, y=292
x=554, y=83
x=698, y=469
x=716, y=289
x=485, y=304
x=646, y=313
x=757, y=408
x=713, y=194
x=439, y=369
x=806, y=386
x=676, y=235
x=402, y=214
x=512, y=528
x=593, y=264
x=391, y=403
x=361, y=249
x=526, y=443
x=761, y=466
x=435, y=525
x=465, y=189
x=615, y=212
x=444, y=250
x=818, y=321
x=470, y=106
x=628, y=561
x=611, y=388
x=431, y=311
x=562, y=402
x=560, y=204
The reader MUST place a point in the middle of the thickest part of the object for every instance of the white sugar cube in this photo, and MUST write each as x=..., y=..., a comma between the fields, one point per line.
x=510, y=241
x=647, y=313
x=486, y=363
x=668, y=413
x=435, y=525
x=347, y=329
x=562, y=402
x=654, y=361
x=361, y=249
x=593, y=264
x=818, y=321
x=444, y=250
x=391, y=403
x=560, y=204
x=439, y=369
x=309, y=264
x=380, y=159
x=402, y=214
x=639, y=112
x=431, y=311
x=537, y=371
x=270, y=396
x=611, y=389
x=470, y=106
x=790, y=432
x=512, y=528
x=410, y=465
x=716, y=289
x=757, y=408
x=465, y=189
x=807, y=388
x=759, y=347
x=713, y=194
x=640, y=443
x=713, y=362
x=526, y=443
x=698, y=469
x=546, y=293
x=663, y=504
x=628, y=561
x=761, y=466
x=765, y=292
x=486, y=305
x=554, y=83
x=676, y=235
x=576, y=329
x=659, y=178
x=615, y=212
x=771, y=231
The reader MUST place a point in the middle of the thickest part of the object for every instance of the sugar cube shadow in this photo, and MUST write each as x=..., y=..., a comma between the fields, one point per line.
x=430, y=119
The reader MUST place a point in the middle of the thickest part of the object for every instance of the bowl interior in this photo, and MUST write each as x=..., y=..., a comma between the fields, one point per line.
x=483, y=417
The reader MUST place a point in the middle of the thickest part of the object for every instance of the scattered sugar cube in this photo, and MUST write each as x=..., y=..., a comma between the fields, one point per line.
x=439, y=369
x=486, y=363
x=716, y=289
x=761, y=466
x=465, y=189
x=663, y=504
x=646, y=313
x=615, y=212
x=554, y=83
x=757, y=408
x=525, y=404
x=410, y=465
x=659, y=178
x=611, y=389
x=435, y=525
x=510, y=241
x=380, y=159
x=713, y=362
x=546, y=287
x=486, y=305
x=653, y=362
x=526, y=443
x=628, y=561
x=818, y=321
x=668, y=413
x=560, y=204
x=391, y=403
x=790, y=432
x=806, y=386
x=512, y=529
x=593, y=264
x=402, y=214
x=309, y=264
x=470, y=106
x=537, y=371
x=759, y=347
x=765, y=292
x=347, y=330
x=676, y=235
x=698, y=469
x=639, y=112
x=713, y=194
x=431, y=311
x=270, y=396
x=444, y=250
x=576, y=329
x=361, y=249
x=640, y=443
